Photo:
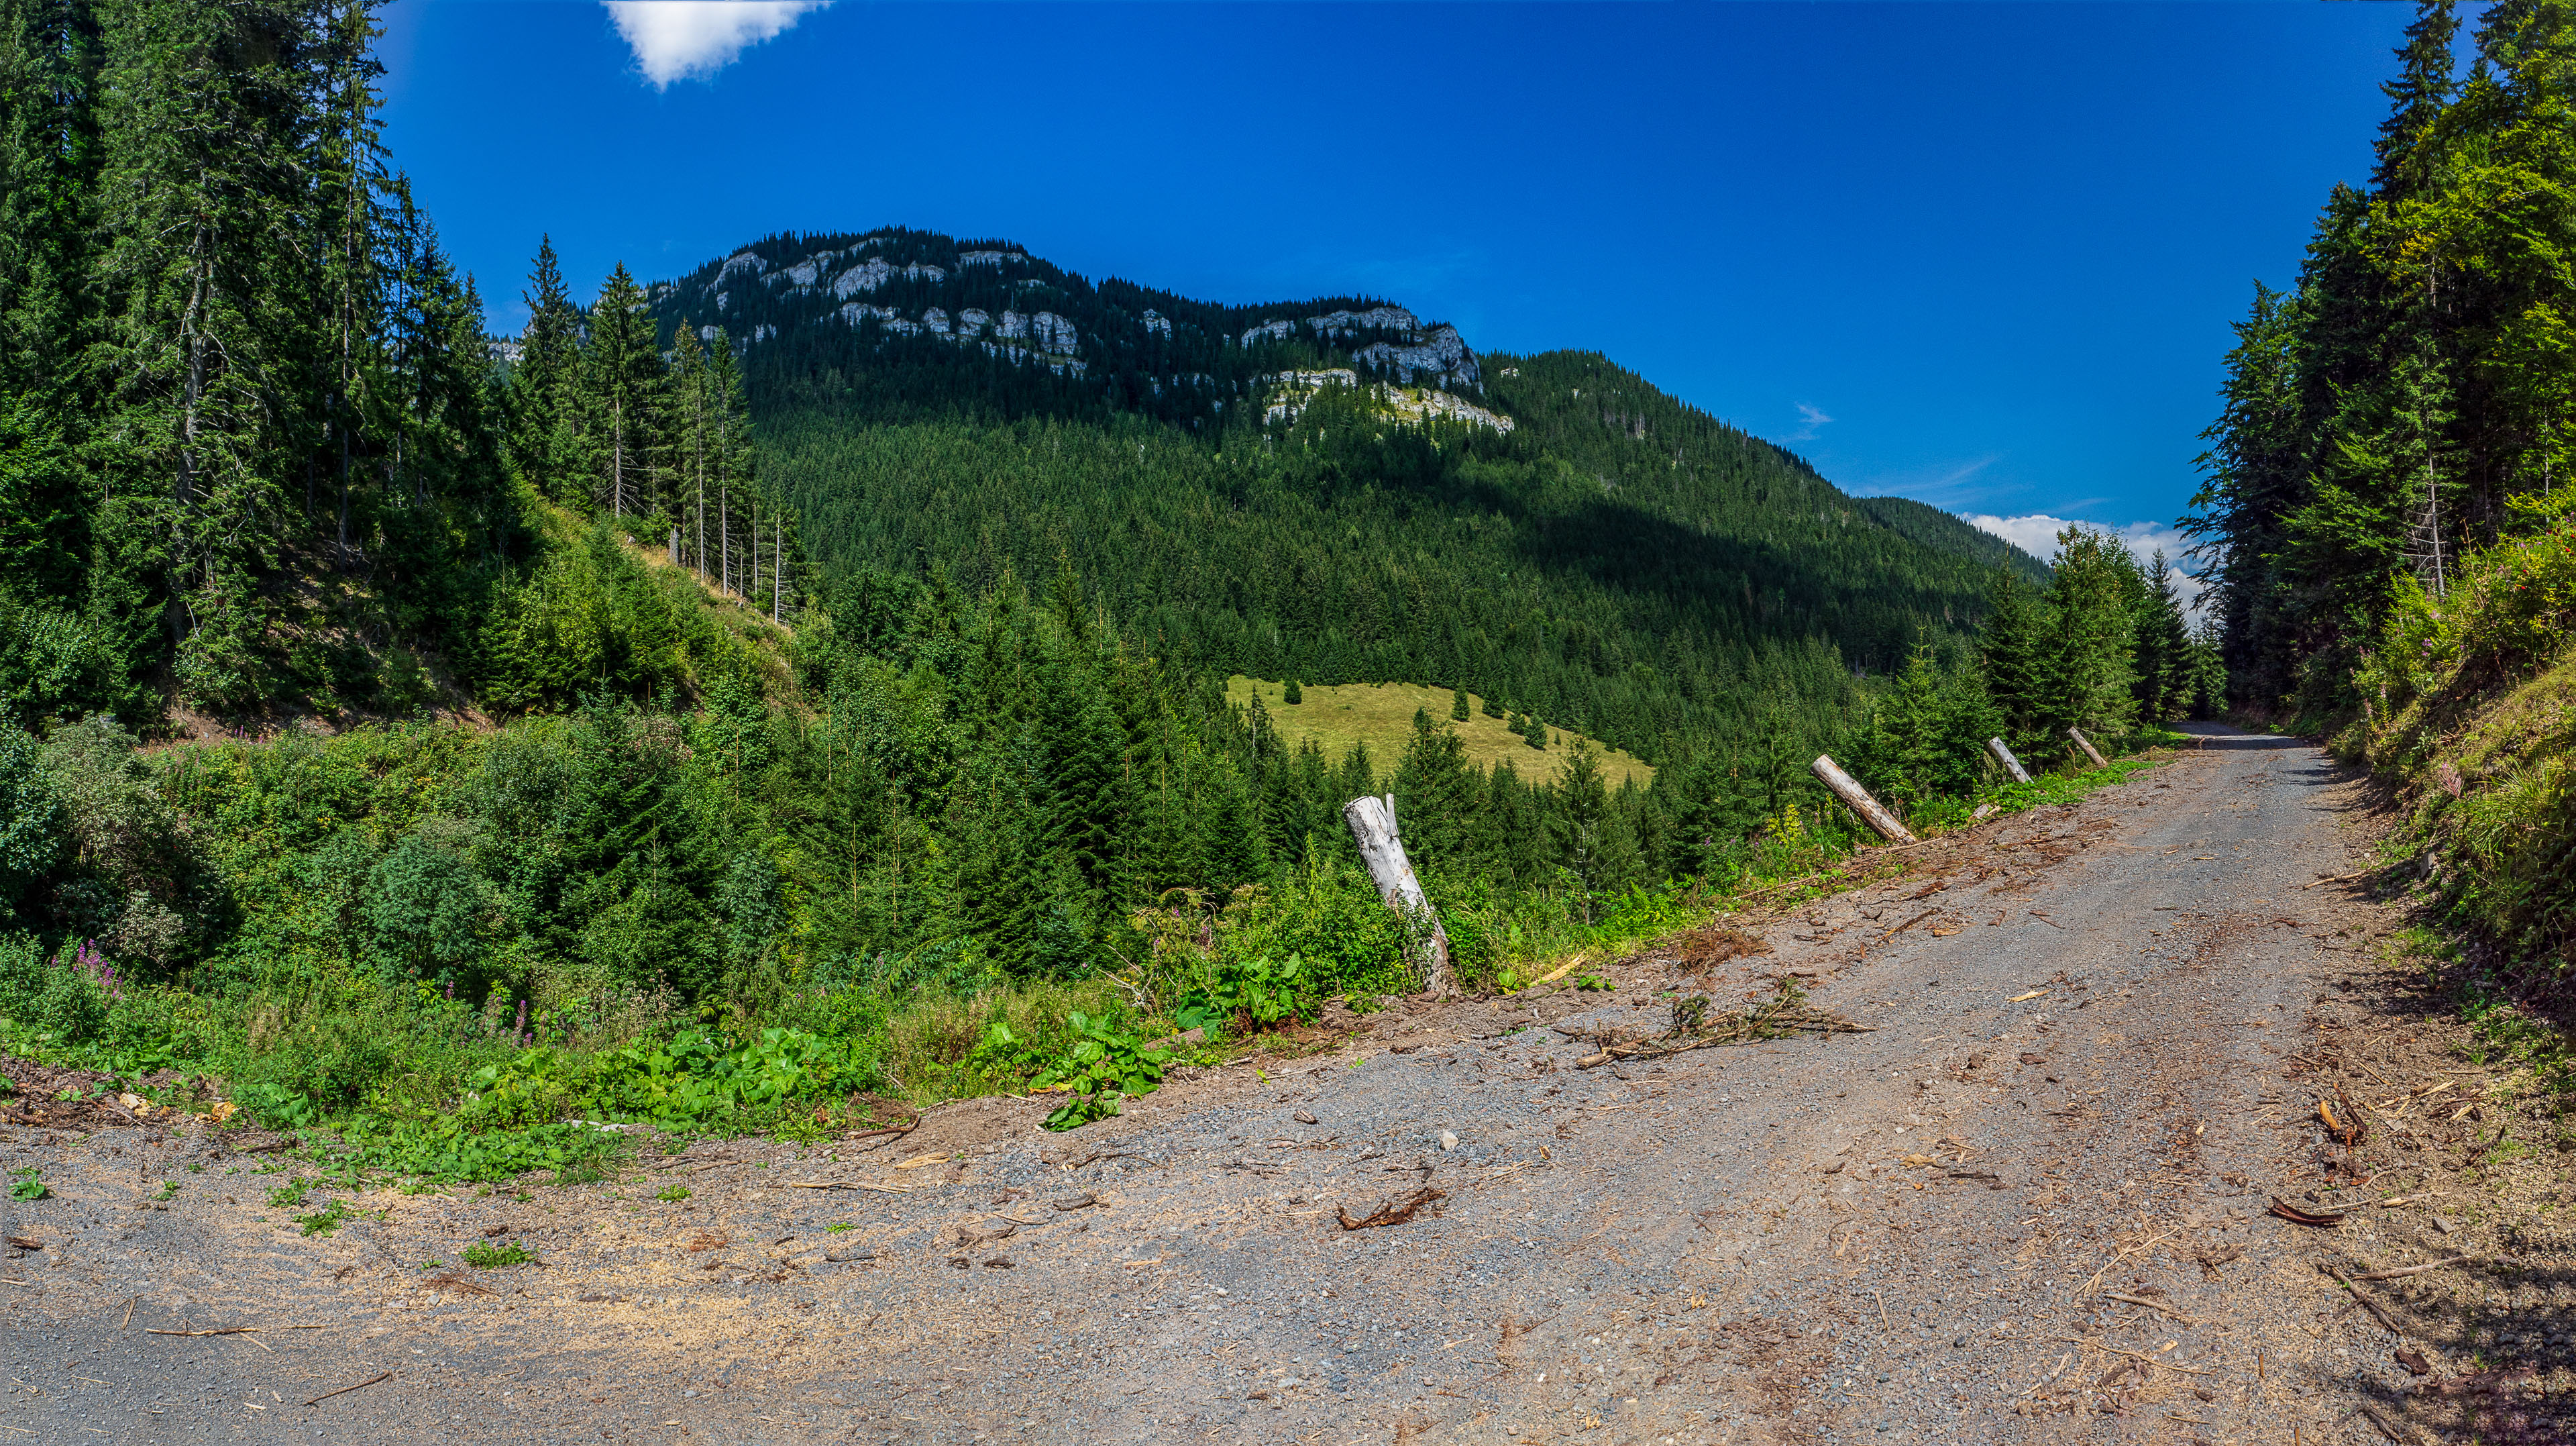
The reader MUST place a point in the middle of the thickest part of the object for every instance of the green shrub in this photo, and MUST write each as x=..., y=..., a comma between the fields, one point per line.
x=493, y=1257
x=66, y=1001
x=307, y=1071
x=326, y=1219
x=1250, y=994
x=1104, y=1067
x=1329, y=917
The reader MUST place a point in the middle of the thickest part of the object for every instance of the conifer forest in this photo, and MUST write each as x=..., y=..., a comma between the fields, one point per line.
x=2385, y=496
x=727, y=700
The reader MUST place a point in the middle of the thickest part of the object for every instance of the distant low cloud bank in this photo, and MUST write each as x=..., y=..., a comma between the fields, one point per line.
x=678, y=39
x=2036, y=534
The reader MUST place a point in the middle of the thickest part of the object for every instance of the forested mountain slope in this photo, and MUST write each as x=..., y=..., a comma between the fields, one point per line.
x=1328, y=490
x=1946, y=532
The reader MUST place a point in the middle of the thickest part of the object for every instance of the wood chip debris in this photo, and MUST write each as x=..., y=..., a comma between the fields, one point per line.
x=1394, y=1212
x=1696, y=1026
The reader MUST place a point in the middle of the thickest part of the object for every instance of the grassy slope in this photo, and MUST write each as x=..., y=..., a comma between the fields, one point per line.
x=1381, y=716
x=2472, y=718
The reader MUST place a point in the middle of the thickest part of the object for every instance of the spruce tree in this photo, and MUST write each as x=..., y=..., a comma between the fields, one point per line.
x=1437, y=789
x=2086, y=663
x=1536, y=736
x=2008, y=647
x=694, y=438
x=49, y=160
x=2163, y=650
x=1458, y=705
x=1588, y=836
x=622, y=382
x=1292, y=693
x=209, y=342
x=545, y=419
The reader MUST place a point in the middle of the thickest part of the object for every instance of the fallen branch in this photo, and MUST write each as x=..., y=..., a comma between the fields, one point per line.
x=344, y=1390
x=2340, y=878
x=2154, y=1305
x=1908, y=924
x=2147, y=1244
x=2158, y=1361
x=2362, y=1300
x=2420, y=1269
x=218, y=1331
x=2297, y=1216
x=2393, y=1430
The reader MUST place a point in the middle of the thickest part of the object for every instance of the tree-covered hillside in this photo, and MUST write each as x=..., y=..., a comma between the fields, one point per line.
x=1326, y=490
x=1946, y=532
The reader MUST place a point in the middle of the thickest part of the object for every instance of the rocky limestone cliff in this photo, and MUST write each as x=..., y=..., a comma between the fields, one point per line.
x=1161, y=353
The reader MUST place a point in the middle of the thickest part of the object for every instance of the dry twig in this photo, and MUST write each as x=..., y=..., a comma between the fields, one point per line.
x=344, y=1390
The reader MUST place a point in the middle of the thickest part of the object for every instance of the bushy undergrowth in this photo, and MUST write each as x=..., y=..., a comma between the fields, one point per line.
x=387, y=1074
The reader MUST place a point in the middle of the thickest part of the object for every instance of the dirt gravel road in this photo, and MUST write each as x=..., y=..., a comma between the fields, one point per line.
x=2027, y=1206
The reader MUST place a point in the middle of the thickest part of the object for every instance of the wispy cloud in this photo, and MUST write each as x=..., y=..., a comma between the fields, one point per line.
x=2036, y=534
x=1946, y=485
x=1809, y=419
x=678, y=39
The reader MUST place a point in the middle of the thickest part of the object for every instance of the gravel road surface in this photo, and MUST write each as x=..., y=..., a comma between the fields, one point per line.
x=2026, y=1205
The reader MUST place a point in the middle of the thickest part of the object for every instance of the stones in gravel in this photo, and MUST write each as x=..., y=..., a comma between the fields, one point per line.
x=1448, y=1139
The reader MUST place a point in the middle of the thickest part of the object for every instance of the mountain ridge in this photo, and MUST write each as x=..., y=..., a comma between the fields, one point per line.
x=1017, y=335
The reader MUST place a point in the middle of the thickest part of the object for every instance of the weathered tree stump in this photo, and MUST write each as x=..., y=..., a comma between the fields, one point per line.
x=1372, y=822
x=2005, y=757
x=1872, y=812
x=2089, y=750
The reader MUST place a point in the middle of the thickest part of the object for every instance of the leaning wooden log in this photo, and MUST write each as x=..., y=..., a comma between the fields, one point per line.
x=1848, y=789
x=1373, y=829
x=2005, y=757
x=2089, y=750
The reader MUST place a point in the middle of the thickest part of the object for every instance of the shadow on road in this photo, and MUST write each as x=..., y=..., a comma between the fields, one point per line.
x=2212, y=737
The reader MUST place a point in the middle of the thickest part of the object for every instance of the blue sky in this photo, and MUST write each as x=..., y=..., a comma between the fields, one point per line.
x=1980, y=255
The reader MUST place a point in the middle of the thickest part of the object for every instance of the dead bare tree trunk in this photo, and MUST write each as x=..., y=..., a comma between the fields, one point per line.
x=2005, y=757
x=1872, y=812
x=2089, y=750
x=1372, y=822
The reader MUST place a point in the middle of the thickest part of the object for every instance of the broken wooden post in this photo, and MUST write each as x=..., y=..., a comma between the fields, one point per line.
x=1372, y=823
x=2089, y=750
x=1848, y=789
x=2005, y=757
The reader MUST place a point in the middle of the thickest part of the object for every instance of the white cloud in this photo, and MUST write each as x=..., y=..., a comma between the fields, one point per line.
x=1809, y=419
x=2036, y=534
x=677, y=39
